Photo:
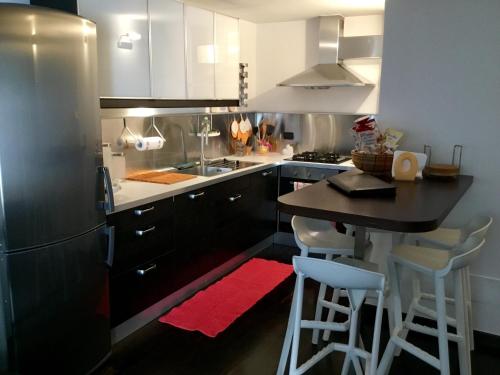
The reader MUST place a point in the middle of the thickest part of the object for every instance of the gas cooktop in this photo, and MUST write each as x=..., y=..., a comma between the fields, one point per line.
x=320, y=157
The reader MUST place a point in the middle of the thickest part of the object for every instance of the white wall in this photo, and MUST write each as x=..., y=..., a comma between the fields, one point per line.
x=441, y=86
x=287, y=48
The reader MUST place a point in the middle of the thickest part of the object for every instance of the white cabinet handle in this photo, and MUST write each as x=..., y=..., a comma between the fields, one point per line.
x=141, y=233
x=142, y=212
x=194, y=196
x=142, y=272
x=234, y=198
x=267, y=173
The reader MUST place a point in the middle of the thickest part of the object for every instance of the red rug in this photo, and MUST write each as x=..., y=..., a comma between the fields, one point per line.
x=212, y=310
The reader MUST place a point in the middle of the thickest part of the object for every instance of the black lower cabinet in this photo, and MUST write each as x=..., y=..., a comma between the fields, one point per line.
x=144, y=244
x=141, y=287
x=162, y=247
x=194, y=226
x=263, y=215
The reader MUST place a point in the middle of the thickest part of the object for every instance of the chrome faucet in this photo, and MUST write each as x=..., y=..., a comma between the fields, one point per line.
x=204, y=142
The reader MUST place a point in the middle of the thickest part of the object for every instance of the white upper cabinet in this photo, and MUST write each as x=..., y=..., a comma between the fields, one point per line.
x=200, y=54
x=164, y=50
x=122, y=45
x=168, y=67
x=227, y=57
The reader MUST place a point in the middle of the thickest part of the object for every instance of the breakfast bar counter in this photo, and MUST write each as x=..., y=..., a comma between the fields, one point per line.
x=418, y=206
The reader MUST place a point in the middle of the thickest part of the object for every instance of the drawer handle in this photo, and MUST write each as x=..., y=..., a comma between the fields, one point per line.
x=194, y=196
x=235, y=198
x=141, y=233
x=142, y=212
x=145, y=271
x=267, y=173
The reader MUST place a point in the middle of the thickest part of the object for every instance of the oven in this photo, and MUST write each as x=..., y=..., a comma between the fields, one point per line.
x=294, y=176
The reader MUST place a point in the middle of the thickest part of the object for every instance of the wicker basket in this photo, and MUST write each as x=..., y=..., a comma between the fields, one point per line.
x=376, y=164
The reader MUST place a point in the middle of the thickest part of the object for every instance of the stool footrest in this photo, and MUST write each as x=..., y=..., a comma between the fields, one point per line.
x=335, y=306
x=330, y=326
x=416, y=351
x=432, y=297
x=320, y=355
x=432, y=314
x=431, y=331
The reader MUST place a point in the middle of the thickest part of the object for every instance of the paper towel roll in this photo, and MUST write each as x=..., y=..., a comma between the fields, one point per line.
x=149, y=143
x=125, y=141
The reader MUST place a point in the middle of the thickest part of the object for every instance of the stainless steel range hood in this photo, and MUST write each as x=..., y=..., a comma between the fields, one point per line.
x=333, y=49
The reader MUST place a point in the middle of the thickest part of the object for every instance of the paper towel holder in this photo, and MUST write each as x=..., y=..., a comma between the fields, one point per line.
x=153, y=126
x=137, y=138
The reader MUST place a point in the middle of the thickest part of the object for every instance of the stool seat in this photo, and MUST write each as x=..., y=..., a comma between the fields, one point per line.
x=319, y=236
x=358, y=263
x=443, y=237
x=422, y=259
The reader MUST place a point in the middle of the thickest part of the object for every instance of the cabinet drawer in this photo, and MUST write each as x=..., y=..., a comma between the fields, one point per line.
x=138, y=244
x=141, y=215
x=143, y=286
x=133, y=291
x=230, y=200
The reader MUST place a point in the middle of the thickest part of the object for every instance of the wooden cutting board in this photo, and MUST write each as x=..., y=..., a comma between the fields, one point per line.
x=161, y=177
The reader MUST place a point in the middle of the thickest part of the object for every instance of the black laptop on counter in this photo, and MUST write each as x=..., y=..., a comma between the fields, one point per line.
x=358, y=184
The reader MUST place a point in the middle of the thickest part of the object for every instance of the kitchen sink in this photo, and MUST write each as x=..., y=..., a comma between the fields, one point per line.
x=206, y=171
x=216, y=167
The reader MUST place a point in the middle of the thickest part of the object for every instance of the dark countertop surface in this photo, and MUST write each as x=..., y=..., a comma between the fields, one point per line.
x=418, y=206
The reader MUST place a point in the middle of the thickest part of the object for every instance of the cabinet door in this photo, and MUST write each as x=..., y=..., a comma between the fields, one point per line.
x=168, y=69
x=194, y=229
x=264, y=184
x=200, y=54
x=123, y=71
x=227, y=57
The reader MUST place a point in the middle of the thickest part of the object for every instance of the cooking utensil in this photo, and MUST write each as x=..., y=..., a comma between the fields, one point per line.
x=248, y=124
x=235, y=127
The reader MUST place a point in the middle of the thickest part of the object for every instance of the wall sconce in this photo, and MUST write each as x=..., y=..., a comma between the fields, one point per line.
x=126, y=41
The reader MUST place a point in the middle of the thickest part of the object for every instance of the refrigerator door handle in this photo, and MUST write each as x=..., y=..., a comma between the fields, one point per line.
x=109, y=204
x=110, y=233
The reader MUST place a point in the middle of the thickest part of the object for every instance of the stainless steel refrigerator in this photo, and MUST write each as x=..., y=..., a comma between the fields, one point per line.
x=54, y=245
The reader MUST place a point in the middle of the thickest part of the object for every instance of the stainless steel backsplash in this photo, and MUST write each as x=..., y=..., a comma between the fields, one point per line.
x=311, y=132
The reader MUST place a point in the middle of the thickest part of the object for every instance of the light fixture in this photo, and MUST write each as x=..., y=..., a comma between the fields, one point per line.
x=126, y=41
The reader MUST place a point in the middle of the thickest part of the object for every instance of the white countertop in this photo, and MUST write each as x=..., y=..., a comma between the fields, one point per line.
x=134, y=193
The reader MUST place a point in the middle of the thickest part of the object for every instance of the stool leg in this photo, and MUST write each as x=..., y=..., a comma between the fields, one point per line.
x=296, y=324
x=460, y=311
x=289, y=333
x=395, y=301
x=410, y=315
x=319, y=306
x=376, y=333
x=331, y=313
x=468, y=299
x=353, y=335
x=442, y=327
x=386, y=361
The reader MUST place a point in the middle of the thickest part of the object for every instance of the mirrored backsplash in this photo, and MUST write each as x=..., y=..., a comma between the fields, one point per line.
x=306, y=132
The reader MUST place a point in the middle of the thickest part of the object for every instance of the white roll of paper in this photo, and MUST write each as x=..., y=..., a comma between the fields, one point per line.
x=125, y=141
x=149, y=143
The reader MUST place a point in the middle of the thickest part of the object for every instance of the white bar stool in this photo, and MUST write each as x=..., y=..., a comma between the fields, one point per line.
x=315, y=236
x=447, y=238
x=357, y=278
x=438, y=264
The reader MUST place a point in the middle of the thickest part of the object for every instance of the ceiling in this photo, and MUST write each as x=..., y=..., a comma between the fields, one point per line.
x=260, y=11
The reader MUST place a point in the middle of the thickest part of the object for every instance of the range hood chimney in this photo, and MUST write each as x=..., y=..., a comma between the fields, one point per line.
x=333, y=49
